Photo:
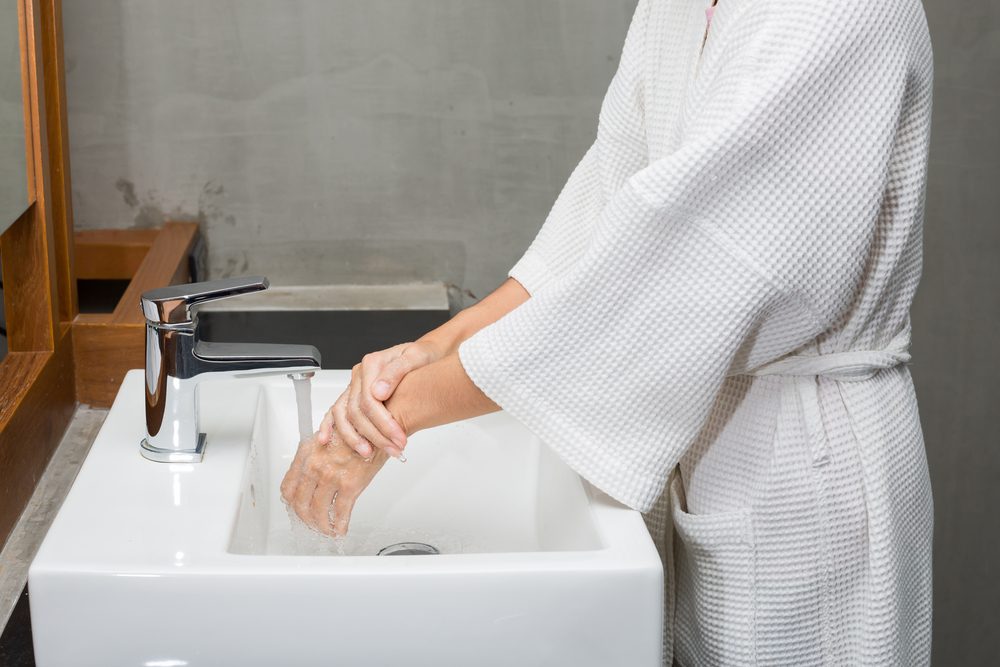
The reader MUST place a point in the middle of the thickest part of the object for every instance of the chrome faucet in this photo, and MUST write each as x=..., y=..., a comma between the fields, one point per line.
x=177, y=361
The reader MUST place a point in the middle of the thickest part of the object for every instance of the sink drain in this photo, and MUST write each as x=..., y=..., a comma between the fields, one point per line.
x=409, y=549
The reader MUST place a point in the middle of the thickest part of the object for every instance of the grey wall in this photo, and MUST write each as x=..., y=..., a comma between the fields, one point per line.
x=956, y=320
x=426, y=139
x=337, y=141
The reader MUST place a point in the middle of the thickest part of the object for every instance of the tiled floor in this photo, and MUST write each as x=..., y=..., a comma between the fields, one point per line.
x=15, y=640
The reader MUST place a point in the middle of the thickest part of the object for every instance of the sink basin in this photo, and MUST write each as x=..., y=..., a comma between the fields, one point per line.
x=161, y=564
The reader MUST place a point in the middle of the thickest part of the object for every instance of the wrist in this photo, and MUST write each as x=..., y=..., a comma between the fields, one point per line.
x=446, y=338
x=437, y=344
x=437, y=394
x=401, y=409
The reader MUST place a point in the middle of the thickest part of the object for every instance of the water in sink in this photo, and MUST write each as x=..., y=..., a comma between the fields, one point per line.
x=362, y=540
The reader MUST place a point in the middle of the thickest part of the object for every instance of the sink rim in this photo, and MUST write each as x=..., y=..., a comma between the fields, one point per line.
x=98, y=532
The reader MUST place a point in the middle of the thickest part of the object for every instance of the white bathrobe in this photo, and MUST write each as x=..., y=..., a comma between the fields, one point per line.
x=718, y=328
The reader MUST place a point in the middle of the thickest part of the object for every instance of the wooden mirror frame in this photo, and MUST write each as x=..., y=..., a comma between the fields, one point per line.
x=37, y=396
x=57, y=356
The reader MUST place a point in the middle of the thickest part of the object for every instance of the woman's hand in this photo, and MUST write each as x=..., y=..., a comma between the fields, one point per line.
x=359, y=417
x=325, y=480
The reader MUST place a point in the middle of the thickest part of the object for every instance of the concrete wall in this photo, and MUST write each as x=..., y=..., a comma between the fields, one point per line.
x=337, y=141
x=956, y=318
x=401, y=139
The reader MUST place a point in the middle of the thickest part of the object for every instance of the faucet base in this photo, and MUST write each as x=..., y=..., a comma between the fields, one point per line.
x=161, y=455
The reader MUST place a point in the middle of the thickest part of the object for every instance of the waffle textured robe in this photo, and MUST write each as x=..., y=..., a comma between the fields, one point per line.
x=718, y=327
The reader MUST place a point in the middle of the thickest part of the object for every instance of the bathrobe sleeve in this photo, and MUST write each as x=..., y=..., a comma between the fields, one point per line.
x=618, y=152
x=741, y=245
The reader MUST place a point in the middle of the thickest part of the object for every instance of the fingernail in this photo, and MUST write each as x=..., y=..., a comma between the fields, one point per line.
x=381, y=388
x=366, y=450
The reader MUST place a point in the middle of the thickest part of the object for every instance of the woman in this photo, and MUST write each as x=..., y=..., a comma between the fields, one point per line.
x=712, y=327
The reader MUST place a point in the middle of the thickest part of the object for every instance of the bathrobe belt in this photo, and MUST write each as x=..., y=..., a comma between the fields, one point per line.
x=850, y=366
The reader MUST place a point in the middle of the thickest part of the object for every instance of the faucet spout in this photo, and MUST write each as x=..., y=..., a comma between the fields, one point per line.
x=255, y=358
x=177, y=362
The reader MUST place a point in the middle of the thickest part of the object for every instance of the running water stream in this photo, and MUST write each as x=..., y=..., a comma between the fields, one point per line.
x=303, y=401
x=304, y=538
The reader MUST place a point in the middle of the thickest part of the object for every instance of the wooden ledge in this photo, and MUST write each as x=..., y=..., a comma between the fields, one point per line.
x=107, y=345
x=111, y=254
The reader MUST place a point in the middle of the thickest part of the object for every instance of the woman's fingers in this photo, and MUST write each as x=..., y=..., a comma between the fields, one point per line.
x=289, y=482
x=294, y=473
x=343, y=505
x=322, y=500
x=372, y=364
x=346, y=431
x=326, y=482
x=358, y=417
x=381, y=419
x=354, y=414
x=363, y=425
x=308, y=481
x=388, y=379
x=325, y=432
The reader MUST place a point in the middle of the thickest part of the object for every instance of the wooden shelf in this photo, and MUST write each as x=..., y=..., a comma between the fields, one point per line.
x=111, y=254
x=107, y=345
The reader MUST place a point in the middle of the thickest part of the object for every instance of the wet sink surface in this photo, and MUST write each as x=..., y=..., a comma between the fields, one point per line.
x=199, y=564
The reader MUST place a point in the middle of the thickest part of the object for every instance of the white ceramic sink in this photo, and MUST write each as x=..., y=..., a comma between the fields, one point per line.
x=172, y=565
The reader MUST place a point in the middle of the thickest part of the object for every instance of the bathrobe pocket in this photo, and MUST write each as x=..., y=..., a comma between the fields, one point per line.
x=715, y=578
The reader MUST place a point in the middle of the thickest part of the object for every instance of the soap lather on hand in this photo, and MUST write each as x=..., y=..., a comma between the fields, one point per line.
x=325, y=480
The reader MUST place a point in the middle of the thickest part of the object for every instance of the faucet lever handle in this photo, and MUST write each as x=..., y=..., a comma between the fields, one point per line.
x=173, y=304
